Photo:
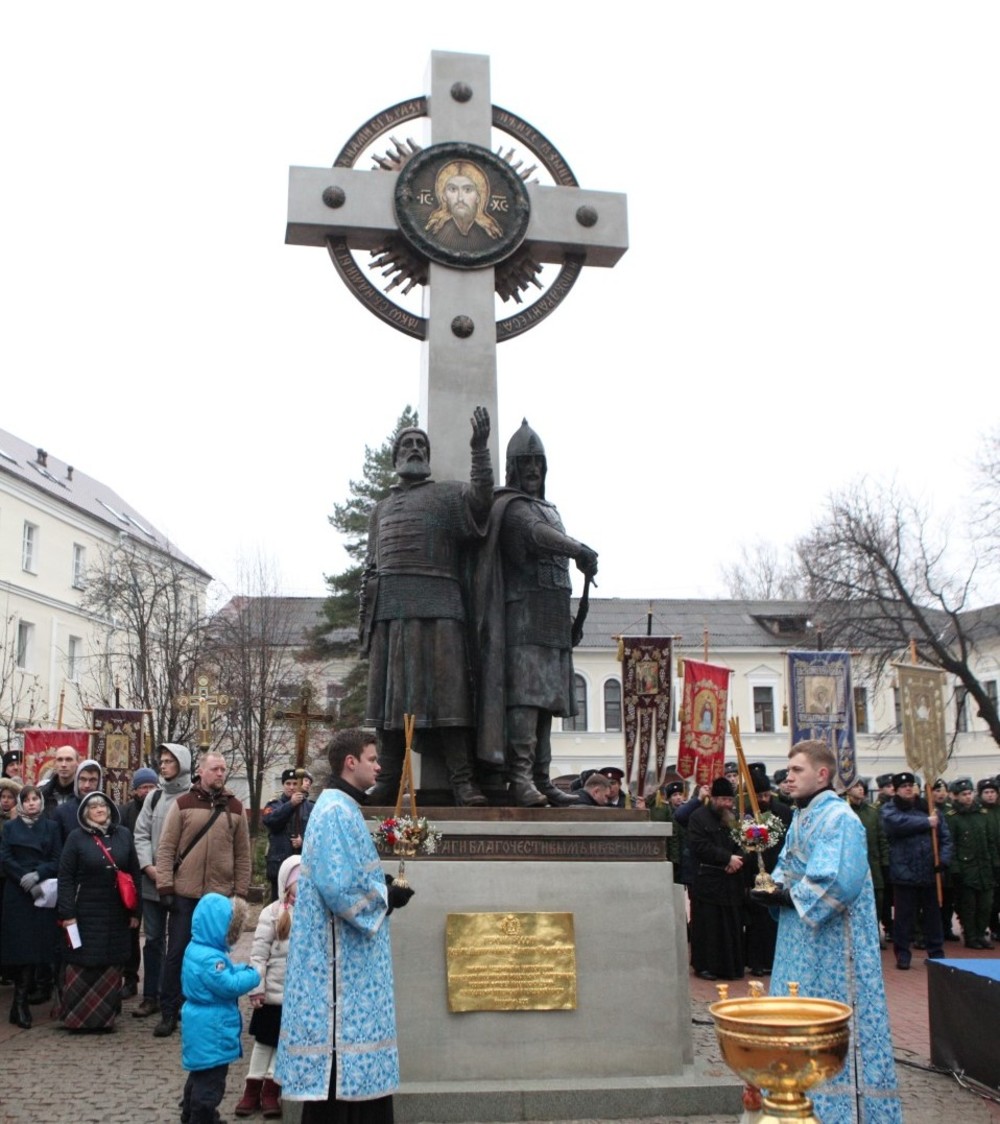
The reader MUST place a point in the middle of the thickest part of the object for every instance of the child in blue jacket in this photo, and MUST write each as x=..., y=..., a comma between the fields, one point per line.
x=210, y=1018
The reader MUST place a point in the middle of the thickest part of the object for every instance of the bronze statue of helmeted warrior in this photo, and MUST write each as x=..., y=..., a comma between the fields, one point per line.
x=527, y=671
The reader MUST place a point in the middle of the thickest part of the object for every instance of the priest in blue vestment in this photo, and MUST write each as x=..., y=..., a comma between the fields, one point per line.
x=828, y=937
x=337, y=1048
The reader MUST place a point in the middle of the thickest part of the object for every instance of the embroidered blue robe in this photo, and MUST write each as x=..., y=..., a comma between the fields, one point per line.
x=345, y=1003
x=829, y=944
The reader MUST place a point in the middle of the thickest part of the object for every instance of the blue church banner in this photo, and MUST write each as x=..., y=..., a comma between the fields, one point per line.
x=822, y=706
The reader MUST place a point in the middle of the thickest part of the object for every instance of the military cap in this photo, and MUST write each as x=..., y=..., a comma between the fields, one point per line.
x=899, y=779
x=287, y=775
x=940, y=783
x=863, y=781
x=883, y=779
x=780, y=775
x=731, y=767
x=612, y=772
x=674, y=786
x=987, y=782
x=964, y=785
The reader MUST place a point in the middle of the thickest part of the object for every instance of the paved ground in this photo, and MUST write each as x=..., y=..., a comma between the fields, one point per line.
x=51, y=1076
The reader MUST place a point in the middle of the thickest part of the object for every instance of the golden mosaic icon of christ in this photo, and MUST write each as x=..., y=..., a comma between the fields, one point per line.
x=460, y=221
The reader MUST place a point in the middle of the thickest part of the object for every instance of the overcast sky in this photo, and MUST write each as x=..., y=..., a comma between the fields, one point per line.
x=810, y=293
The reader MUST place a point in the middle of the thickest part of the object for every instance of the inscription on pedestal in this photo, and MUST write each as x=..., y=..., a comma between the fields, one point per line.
x=568, y=849
x=511, y=962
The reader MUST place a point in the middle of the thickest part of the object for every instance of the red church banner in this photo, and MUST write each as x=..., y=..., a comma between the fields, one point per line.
x=40, y=750
x=703, y=721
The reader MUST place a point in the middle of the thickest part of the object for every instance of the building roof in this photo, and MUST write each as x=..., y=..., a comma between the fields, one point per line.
x=43, y=472
x=730, y=624
x=302, y=615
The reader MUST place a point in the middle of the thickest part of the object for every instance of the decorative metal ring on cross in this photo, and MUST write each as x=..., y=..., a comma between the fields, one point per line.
x=458, y=205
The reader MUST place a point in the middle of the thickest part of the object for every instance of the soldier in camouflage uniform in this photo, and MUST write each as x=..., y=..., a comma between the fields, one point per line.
x=972, y=868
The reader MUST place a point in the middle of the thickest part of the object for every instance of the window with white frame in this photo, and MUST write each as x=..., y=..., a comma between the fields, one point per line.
x=25, y=644
x=612, y=706
x=29, y=548
x=579, y=722
x=961, y=710
x=861, y=710
x=74, y=651
x=763, y=709
x=79, y=566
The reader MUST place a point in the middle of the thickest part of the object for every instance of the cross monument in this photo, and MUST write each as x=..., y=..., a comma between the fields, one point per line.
x=464, y=222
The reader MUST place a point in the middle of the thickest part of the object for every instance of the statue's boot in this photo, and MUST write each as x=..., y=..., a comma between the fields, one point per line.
x=456, y=759
x=521, y=787
x=543, y=765
x=390, y=756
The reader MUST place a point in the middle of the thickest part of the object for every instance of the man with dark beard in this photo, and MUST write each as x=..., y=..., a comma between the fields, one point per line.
x=717, y=890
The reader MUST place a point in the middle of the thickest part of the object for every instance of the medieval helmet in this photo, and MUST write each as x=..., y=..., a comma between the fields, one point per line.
x=524, y=443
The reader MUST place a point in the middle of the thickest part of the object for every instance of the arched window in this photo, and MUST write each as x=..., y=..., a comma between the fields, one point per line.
x=580, y=693
x=612, y=706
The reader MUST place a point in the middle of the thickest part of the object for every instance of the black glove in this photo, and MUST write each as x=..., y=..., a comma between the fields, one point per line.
x=167, y=901
x=779, y=896
x=399, y=896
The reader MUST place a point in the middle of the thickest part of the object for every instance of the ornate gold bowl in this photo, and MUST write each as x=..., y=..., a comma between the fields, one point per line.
x=784, y=1044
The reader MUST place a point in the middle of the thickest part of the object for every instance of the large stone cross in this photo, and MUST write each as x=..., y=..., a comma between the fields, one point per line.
x=344, y=208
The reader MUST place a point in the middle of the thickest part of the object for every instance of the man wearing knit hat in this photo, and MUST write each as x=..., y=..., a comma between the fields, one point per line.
x=144, y=780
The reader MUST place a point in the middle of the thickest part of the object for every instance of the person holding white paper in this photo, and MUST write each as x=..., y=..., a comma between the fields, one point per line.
x=29, y=853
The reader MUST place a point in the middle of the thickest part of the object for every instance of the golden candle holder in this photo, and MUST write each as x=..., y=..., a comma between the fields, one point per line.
x=783, y=1044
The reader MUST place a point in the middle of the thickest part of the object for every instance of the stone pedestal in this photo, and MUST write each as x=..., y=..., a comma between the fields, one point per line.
x=626, y=1051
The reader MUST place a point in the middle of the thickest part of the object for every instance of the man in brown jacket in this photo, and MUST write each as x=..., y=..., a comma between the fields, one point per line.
x=204, y=848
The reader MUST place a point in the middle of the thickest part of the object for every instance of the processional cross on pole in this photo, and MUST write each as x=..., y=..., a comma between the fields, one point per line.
x=464, y=222
x=204, y=702
x=303, y=716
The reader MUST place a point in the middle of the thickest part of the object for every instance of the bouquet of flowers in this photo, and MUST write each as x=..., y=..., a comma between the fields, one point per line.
x=406, y=835
x=756, y=835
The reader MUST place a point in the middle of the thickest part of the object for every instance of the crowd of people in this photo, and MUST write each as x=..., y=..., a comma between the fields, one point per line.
x=80, y=875
x=934, y=862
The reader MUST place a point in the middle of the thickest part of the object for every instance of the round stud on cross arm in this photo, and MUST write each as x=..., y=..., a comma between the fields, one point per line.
x=334, y=197
x=586, y=216
x=461, y=92
x=463, y=327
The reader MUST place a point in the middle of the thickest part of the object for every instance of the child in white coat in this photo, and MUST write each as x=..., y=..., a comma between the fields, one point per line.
x=270, y=950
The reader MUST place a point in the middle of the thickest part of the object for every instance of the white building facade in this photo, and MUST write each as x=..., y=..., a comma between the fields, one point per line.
x=56, y=523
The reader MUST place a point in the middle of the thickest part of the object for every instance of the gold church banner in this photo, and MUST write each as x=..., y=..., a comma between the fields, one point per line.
x=923, y=719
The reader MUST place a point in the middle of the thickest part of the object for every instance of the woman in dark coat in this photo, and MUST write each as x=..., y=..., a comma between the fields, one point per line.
x=29, y=854
x=89, y=898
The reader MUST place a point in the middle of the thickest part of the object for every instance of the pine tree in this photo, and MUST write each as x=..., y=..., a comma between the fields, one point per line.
x=340, y=610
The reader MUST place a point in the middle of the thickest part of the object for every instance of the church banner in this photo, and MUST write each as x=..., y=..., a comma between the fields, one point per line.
x=822, y=706
x=646, y=698
x=40, y=750
x=703, y=721
x=118, y=749
x=922, y=706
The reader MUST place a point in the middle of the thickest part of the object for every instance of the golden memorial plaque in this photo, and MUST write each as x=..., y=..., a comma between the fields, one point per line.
x=511, y=962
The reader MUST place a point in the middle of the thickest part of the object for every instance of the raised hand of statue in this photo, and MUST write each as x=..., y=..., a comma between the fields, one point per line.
x=480, y=428
x=586, y=561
